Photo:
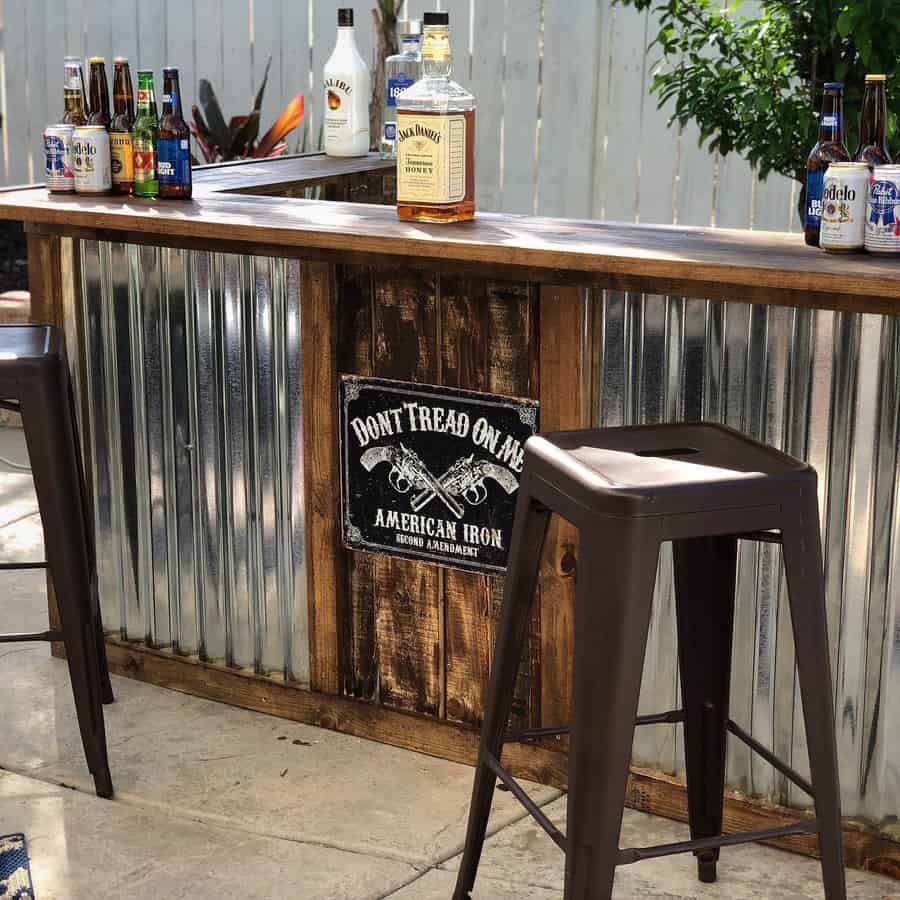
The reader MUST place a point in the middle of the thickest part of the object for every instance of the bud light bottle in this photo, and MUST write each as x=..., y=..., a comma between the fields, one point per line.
x=828, y=149
x=173, y=150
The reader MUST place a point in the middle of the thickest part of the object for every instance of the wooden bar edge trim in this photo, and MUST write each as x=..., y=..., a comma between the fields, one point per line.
x=648, y=791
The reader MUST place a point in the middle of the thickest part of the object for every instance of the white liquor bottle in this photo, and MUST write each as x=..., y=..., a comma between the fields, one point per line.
x=402, y=70
x=348, y=88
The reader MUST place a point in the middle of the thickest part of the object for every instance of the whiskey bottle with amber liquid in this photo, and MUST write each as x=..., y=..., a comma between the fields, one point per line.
x=436, y=136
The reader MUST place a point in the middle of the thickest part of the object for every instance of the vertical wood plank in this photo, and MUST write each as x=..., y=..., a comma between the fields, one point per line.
x=98, y=23
x=354, y=299
x=734, y=192
x=408, y=615
x=267, y=41
x=45, y=285
x=486, y=85
x=16, y=140
x=151, y=27
x=295, y=71
x=208, y=44
x=487, y=341
x=694, y=202
x=324, y=554
x=179, y=50
x=76, y=31
x=570, y=72
x=461, y=12
x=236, y=97
x=520, y=107
x=562, y=407
x=123, y=20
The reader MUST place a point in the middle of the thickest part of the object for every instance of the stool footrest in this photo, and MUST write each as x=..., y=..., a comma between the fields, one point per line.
x=15, y=567
x=11, y=405
x=670, y=717
x=518, y=792
x=770, y=758
x=637, y=854
x=31, y=636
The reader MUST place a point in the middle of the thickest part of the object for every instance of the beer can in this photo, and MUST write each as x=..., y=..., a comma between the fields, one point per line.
x=90, y=160
x=883, y=211
x=58, y=158
x=844, y=194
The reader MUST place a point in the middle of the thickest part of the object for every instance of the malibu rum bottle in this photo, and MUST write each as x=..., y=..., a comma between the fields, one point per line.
x=436, y=136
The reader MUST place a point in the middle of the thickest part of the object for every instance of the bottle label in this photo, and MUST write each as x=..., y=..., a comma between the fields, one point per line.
x=390, y=132
x=144, y=97
x=144, y=161
x=396, y=86
x=814, y=183
x=121, y=149
x=831, y=120
x=431, y=158
x=173, y=161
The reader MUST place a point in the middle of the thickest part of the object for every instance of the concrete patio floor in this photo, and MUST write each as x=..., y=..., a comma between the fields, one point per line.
x=217, y=802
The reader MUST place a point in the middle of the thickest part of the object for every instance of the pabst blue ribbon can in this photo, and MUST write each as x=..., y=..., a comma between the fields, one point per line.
x=91, y=160
x=844, y=193
x=58, y=158
x=883, y=211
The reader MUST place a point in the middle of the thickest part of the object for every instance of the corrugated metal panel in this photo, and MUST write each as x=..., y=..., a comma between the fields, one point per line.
x=822, y=386
x=192, y=393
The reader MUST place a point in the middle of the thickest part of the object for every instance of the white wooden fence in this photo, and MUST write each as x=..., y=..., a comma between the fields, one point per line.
x=565, y=123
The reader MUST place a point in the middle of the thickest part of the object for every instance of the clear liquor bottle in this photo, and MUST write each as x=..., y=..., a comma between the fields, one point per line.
x=436, y=137
x=401, y=71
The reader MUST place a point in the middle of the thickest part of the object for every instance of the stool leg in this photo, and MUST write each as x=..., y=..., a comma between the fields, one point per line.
x=806, y=589
x=614, y=596
x=50, y=438
x=529, y=532
x=705, y=581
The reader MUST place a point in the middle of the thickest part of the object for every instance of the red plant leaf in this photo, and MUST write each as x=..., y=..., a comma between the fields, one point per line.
x=289, y=119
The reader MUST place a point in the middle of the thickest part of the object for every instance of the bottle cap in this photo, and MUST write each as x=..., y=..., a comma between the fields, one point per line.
x=97, y=59
x=120, y=60
x=437, y=18
x=145, y=71
x=409, y=28
x=876, y=78
x=834, y=85
x=170, y=70
x=345, y=17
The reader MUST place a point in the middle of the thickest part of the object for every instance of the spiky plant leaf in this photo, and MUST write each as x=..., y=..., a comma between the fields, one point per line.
x=290, y=118
x=218, y=130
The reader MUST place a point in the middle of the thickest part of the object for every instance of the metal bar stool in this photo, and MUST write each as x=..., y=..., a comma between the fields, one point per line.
x=34, y=381
x=704, y=487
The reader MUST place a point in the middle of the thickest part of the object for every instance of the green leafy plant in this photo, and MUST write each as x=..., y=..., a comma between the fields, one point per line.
x=220, y=142
x=753, y=84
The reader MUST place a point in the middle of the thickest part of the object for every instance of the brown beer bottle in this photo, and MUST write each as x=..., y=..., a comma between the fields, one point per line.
x=73, y=92
x=121, y=146
x=828, y=149
x=873, y=123
x=99, y=93
x=173, y=148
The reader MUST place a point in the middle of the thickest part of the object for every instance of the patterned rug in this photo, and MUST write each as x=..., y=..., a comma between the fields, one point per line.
x=15, y=875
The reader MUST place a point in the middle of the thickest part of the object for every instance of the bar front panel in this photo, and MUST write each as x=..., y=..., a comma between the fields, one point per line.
x=191, y=410
x=191, y=400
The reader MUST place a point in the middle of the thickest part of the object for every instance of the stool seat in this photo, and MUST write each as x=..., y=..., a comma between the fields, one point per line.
x=652, y=470
x=23, y=343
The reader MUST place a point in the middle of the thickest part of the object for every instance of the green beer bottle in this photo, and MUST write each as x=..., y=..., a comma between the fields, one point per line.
x=144, y=136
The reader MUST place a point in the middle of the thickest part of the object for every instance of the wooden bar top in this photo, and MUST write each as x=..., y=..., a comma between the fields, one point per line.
x=753, y=265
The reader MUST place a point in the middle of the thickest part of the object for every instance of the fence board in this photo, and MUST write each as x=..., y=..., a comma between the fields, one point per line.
x=36, y=92
x=76, y=33
x=123, y=18
x=15, y=118
x=236, y=70
x=294, y=62
x=487, y=85
x=208, y=43
x=179, y=50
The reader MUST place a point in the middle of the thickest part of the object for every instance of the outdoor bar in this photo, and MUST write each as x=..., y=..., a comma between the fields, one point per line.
x=208, y=341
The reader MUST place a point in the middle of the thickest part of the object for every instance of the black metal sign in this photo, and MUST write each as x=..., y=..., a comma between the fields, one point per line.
x=430, y=472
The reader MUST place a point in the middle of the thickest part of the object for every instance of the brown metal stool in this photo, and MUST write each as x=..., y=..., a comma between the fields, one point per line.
x=704, y=487
x=34, y=381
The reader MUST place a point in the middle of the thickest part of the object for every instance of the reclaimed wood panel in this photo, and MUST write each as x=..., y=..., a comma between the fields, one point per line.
x=324, y=554
x=487, y=342
x=562, y=407
x=355, y=348
x=409, y=622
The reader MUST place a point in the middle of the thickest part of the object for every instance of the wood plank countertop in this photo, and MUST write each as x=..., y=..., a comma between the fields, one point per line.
x=754, y=266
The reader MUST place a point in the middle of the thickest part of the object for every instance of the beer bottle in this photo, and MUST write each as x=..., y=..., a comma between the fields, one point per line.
x=120, y=143
x=144, y=135
x=872, y=124
x=73, y=93
x=99, y=89
x=173, y=151
x=829, y=148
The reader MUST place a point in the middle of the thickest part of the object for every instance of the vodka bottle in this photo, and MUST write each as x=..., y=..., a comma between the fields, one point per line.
x=402, y=70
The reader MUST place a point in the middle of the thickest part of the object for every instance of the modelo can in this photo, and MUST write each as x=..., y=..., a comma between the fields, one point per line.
x=58, y=159
x=883, y=211
x=844, y=192
x=90, y=160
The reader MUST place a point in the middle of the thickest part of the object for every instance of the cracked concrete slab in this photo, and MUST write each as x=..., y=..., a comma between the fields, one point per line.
x=82, y=848
x=523, y=854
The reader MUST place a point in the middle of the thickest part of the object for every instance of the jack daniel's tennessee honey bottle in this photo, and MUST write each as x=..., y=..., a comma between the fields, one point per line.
x=436, y=137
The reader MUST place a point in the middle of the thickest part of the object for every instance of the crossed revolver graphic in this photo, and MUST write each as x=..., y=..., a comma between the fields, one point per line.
x=465, y=478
